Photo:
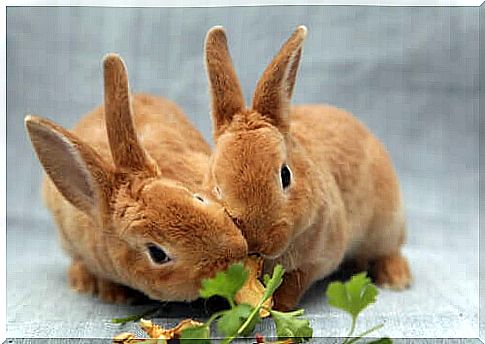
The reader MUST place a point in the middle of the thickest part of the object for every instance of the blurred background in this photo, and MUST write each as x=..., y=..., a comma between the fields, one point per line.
x=410, y=74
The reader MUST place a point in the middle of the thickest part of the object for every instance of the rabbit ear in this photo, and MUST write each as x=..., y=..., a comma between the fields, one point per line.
x=126, y=150
x=273, y=91
x=78, y=172
x=226, y=93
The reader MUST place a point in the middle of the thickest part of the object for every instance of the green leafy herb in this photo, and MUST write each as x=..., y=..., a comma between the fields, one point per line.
x=233, y=319
x=198, y=334
x=288, y=325
x=274, y=282
x=271, y=285
x=353, y=296
x=225, y=284
x=135, y=317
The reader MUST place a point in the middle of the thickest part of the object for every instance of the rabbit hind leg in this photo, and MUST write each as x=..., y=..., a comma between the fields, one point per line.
x=81, y=279
x=382, y=257
x=391, y=271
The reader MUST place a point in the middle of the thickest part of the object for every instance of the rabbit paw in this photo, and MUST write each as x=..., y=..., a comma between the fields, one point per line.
x=80, y=279
x=284, y=302
x=288, y=295
x=83, y=281
x=112, y=292
x=391, y=272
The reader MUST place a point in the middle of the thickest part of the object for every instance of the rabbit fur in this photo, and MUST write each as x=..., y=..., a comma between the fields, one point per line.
x=343, y=201
x=125, y=179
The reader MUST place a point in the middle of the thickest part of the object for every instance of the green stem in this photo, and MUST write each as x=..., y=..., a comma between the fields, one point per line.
x=255, y=311
x=249, y=319
x=231, y=303
x=134, y=317
x=214, y=317
x=375, y=328
x=352, y=328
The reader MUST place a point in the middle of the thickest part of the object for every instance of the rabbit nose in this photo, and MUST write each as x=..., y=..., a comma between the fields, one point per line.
x=239, y=250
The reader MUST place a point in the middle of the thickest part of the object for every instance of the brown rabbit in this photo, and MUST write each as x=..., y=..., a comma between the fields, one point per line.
x=125, y=205
x=309, y=185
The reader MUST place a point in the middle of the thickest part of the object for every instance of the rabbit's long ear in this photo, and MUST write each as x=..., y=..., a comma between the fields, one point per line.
x=128, y=154
x=275, y=87
x=78, y=172
x=225, y=90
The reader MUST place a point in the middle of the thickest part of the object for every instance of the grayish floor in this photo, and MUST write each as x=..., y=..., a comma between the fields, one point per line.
x=410, y=74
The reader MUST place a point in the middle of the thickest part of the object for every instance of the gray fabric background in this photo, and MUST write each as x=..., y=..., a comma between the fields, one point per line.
x=410, y=74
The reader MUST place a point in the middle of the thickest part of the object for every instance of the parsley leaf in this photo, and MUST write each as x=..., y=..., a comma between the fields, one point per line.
x=233, y=319
x=352, y=296
x=225, y=284
x=289, y=326
x=198, y=334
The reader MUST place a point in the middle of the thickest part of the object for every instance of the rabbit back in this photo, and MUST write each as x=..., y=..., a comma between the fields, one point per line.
x=166, y=134
x=163, y=130
x=363, y=172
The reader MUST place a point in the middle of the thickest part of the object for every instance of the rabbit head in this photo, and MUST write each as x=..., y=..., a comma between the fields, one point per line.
x=152, y=233
x=252, y=170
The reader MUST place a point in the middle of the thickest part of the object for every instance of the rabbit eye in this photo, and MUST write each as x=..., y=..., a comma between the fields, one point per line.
x=157, y=254
x=199, y=198
x=285, y=176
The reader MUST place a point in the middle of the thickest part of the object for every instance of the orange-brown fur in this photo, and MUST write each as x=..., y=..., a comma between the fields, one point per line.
x=343, y=201
x=126, y=177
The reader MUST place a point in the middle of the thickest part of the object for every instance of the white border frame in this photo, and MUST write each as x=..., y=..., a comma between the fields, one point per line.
x=3, y=177
x=224, y=3
x=143, y=3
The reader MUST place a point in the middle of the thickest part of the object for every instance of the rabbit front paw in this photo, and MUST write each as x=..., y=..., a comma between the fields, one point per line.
x=83, y=281
x=288, y=295
x=284, y=302
x=112, y=292
x=80, y=279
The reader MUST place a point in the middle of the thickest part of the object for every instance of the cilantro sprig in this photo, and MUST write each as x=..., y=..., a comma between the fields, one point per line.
x=225, y=283
x=239, y=320
x=288, y=325
x=353, y=297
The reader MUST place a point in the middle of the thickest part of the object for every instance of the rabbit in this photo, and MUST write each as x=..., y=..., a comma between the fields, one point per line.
x=308, y=185
x=124, y=189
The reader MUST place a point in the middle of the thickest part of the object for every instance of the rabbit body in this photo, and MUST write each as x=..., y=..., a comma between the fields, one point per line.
x=140, y=189
x=359, y=167
x=178, y=148
x=309, y=186
x=354, y=211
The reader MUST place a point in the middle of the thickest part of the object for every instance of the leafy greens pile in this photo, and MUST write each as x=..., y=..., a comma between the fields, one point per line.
x=240, y=320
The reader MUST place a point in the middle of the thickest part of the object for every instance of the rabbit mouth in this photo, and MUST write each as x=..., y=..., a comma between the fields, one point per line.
x=272, y=256
x=258, y=252
x=269, y=250
x=256, y=255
